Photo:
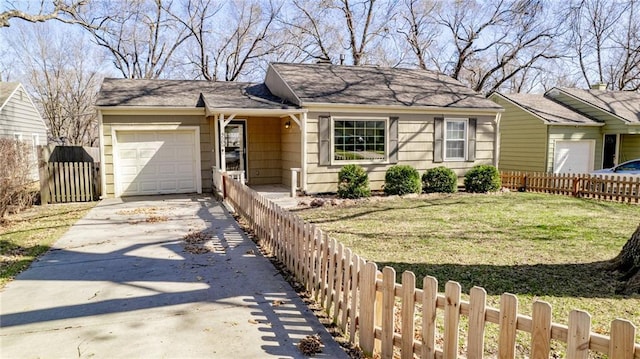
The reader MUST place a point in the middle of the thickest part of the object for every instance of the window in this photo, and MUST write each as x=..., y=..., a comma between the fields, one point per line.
x=359, y=140
x=455, y=139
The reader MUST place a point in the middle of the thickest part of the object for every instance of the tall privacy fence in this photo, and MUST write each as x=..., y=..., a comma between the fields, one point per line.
x=389, y=318
x=69, y=174
x=604, y=187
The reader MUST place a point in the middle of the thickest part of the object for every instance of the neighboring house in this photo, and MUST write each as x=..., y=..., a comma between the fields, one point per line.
x=20, y=119
x=165, y=136
x=568, y=130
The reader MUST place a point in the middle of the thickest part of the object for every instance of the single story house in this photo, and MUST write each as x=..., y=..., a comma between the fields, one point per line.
x=568, y=130
x=166, y=136
x=21, y=120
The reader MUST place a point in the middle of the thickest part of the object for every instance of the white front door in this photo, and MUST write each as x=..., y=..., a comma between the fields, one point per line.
x=573, y=156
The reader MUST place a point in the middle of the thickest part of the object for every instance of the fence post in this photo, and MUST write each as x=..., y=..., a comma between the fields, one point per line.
x=224, y=187
x=45, y=195
x=576, y=182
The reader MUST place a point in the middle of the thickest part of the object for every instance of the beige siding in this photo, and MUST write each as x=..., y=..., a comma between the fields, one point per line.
x=629, y=147
x=564, y=133
x=206, y=146
x=522, y=139
x=291, y=150
x=415, y=142
x=264, y=150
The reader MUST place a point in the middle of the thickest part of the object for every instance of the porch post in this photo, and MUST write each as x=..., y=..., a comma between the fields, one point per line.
x=303, y=140
x=221, y=125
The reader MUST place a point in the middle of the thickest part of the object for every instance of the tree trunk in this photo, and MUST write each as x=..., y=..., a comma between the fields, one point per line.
x=627, y=263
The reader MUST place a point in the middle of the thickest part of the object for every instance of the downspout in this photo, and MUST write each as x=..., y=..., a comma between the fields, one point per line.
x=103, y=175
x=496, y=145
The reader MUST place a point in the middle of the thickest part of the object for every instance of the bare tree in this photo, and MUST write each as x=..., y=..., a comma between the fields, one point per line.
x=604, y=37
x=495, y=41
x=141, y=36
x=229, y=40
x=62, y=77
x=419, y=28
x=328, y=28
x=57, y=11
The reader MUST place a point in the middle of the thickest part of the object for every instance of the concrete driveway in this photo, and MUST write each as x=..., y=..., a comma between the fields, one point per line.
x=155, y=277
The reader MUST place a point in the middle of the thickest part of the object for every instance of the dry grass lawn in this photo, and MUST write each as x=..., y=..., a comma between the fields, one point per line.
x=536, y=246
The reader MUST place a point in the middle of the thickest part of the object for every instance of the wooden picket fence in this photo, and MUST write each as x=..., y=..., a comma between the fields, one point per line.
x=604, y=187
x=399, y=320
x=64, y=182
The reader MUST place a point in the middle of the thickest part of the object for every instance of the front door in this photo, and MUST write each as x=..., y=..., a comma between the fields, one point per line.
x=234, y=145
x=609, y=153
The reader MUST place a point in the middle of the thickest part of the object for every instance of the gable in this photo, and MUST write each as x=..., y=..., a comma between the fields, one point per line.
x=544, y=109
x=18, y=114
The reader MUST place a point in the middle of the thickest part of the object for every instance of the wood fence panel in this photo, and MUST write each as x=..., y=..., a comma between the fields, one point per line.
x=451, y=319
x=541, y=331
x=623, y=336
x=429, y=315
x=64, y=182
x=578, y=336
x=357, y=266
x=477, y=305
x=339, y=283
x=367, y=307
x=348, y=265
x=508, y=322
x=388, y=311
x=408, y=314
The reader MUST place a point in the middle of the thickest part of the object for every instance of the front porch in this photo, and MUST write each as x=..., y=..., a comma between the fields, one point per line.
x=260, y=148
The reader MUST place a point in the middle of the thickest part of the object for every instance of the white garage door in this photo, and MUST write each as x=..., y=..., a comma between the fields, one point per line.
x=155, y=162
x=573, y=157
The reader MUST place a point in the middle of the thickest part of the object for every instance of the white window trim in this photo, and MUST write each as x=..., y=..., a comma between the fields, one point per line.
x=444, y=140
x=358, y=118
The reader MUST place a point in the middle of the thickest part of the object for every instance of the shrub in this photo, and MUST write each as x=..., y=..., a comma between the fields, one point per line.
x=439, y=180
x=482, y=179
x=353, y=182
x=402, y=179
x=15, y=176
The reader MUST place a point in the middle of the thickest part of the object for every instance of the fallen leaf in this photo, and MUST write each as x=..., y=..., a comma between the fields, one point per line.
x=253, y=321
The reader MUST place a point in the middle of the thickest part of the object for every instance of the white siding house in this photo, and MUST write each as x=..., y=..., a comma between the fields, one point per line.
x=20, y=119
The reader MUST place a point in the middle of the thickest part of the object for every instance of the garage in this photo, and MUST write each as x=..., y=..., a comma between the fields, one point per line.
x=156, y=162
x=573, y=156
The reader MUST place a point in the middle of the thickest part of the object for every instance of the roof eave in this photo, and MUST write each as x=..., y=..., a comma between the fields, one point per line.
x=174, y=110
x=576, y=124
x=396, y=108
x=626, y=121
x=254, y=111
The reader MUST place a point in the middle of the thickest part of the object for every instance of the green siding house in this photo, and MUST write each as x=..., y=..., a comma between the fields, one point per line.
x=568, y=130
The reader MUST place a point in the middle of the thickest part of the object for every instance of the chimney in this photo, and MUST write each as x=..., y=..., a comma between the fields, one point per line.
x=599, y=86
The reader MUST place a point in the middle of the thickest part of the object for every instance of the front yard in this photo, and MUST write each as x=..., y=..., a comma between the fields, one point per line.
x=30, y=233
x=536, y=246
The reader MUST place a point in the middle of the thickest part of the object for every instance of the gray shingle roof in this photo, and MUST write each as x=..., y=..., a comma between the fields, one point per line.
x=186, y=93
x=550, y=111
x=625, y=104
x=6, y=89
x=364, y=85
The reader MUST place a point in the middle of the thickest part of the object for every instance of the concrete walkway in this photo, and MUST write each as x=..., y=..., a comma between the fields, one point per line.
x=124, y=283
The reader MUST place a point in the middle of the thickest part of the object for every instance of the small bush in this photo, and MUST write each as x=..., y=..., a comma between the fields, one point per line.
x=439, y=180
x=402, y=179
x=353, y=182
x=482, y=179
